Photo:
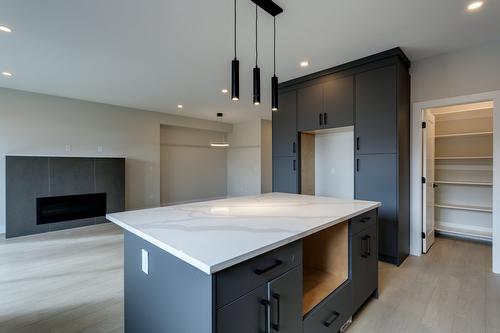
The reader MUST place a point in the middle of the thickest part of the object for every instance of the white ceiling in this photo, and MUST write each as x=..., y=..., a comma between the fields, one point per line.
x=155, y=54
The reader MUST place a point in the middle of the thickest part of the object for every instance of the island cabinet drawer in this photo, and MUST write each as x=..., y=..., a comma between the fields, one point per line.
x=332, y=313
x=363, y=221
x=240, y=279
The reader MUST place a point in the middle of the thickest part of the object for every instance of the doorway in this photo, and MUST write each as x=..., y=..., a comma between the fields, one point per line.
x=457, y=155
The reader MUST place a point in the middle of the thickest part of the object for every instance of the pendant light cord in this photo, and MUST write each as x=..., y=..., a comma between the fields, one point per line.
x=274, y=46
x=234, y=29
x=256, y=37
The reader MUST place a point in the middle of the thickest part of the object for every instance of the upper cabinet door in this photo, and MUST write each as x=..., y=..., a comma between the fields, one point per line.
x=339, y=103
x=310, y=107
x=285, y=126
x=376, y=111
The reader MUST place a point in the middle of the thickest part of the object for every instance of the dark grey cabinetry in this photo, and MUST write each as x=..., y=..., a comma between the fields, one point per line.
x=364, y=266
x=285, y=174
x=326, y=105
x=247, y=314
x=285, y=123
x=376, y=121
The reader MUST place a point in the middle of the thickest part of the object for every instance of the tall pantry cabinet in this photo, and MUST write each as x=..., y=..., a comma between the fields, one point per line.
x=373, y=95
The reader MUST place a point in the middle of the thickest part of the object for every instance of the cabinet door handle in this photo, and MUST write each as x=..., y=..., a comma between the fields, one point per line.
x=364, y=244
x=321, y=119
x=357, y=164
x=293, y=147
x=265, y=304
x=276, y=326
x=368, y=246
x=365, y=219
x=265, y=270
x=325, y=118
x=294, y=165
x=332, y=319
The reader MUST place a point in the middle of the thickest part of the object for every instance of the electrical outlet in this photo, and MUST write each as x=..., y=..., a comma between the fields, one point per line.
x=99, y=149
x=145, y=261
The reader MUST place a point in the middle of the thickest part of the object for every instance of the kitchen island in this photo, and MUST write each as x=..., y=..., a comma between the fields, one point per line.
x=268, y=263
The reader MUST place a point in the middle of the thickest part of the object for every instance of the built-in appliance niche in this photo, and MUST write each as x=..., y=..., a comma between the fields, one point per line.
x=327, y=162
x=46, y=193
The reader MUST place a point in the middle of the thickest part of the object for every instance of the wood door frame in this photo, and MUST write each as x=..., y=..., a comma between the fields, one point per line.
x=416, y=218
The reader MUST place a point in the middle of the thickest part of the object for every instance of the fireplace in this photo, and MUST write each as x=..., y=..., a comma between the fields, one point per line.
x=70, y=207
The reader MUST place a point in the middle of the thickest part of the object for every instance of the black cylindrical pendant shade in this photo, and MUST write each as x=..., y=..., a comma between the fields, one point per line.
x=235, y=80
x=256, y=86
x=274, y=93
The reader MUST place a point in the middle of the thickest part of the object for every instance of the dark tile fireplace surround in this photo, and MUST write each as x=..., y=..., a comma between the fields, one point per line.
x=54, y=193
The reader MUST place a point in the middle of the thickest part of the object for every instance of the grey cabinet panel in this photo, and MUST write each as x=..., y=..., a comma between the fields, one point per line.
x=285, y=297
x=285, y=174
x=27, y=179
x=71, y=176
x=332, y=313
x=236, y=281
x=376, y=180
x=339, y=103
x=173, y=297
x=376, y=111
x=364, y=266
x=247, y=314
x=285, y=126
x=110, y=179
x=309, y=107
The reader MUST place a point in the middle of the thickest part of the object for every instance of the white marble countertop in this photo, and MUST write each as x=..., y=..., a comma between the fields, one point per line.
x=214, y=235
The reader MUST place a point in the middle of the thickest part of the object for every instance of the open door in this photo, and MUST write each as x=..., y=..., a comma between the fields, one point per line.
x=428, y=146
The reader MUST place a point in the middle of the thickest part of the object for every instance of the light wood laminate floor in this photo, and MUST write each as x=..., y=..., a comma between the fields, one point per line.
x=72, y=281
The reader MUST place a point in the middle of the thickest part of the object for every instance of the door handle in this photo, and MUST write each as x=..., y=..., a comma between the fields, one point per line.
x=293, y=147
x=434, y=185
x=265, y=270
x=357, y=164
x=364, y=245
x=321, y=119
x=357, y=143
x=325, y=118
x=332, y=319
x=265, y=304
x=294, y=165
x=276, y=326
x=369, y=246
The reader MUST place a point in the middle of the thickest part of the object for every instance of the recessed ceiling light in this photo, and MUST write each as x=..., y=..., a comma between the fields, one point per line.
x=304, y=63
x=475, y=5
x=225, y=91
x=5, y=29
x=180, y=106
x=7, y=74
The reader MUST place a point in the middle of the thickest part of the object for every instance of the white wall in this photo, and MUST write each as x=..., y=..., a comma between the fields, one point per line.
x=244, y=159
x=334, y=169
x=41, y=124
x=468, y=72
x=191, y=170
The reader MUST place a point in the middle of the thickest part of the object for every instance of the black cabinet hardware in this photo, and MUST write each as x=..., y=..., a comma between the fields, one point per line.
x=294, y=166
x=265, y=304
x=276, y=325
x=325, y=118
x=357, y=143
x=320, y=119
x=365, y=219
x=265, y=270
x=332, y=319
x=364, y=246
x=369, y=246
x=293, y=148
x=434, y=185
x=357, y=164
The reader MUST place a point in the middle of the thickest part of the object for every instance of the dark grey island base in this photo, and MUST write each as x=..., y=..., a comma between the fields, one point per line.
x=273, y=292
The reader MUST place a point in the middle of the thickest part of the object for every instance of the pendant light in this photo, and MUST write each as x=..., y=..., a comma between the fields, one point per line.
x=274, y=79
x=235, y=67
x=256, y=70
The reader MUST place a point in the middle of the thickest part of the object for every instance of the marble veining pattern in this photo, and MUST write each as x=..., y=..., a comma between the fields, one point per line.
x=217, y=234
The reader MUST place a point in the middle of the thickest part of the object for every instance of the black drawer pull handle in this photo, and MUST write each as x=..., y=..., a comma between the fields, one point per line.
x=293, y=148
x=357, y=143
x=294, y=165
x=369, y=245
x=321, y=119
x=265, y=270
x=365, y=219
x=276, y=326
x=265, y=303
x=325, y=117
x=332, y=319
x=364, y=245
x=357, y=164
